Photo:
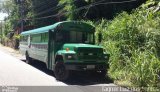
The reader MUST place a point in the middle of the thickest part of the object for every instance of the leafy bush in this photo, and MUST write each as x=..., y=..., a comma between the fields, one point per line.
x=133, y=43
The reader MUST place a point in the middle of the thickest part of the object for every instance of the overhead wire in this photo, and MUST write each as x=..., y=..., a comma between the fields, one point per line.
x=83, y=7
x=55, y=15
x=41, y=5
x=53, y=8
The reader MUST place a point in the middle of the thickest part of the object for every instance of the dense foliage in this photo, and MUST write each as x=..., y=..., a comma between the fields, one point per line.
x=43, y=8
x=133, y=42
x=96, y=9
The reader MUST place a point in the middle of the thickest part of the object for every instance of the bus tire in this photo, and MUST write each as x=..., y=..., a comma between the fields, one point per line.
x=102, y=73
x=60, y=71
x=28, y=59
x=99, y=74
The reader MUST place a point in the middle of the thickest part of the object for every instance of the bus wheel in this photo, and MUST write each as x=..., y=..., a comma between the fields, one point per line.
x=102, y=73
x=28, y=59
x=60, y=71
x=99, y=74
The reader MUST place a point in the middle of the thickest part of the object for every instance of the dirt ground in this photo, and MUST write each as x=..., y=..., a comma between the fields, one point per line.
x=12, y=52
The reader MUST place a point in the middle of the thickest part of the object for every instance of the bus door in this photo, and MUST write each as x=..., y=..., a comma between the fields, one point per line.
x=50, y=50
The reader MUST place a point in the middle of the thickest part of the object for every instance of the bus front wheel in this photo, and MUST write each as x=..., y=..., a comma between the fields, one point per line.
x=102, y=73
x=60, y=71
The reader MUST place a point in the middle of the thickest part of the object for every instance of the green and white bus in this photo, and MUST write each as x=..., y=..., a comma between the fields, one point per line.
x=64, y=47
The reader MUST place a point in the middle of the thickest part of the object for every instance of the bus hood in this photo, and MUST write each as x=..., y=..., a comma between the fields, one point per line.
x=76, y=46
x=85, y=51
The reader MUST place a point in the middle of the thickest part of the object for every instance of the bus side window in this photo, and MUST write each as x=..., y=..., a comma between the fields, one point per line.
x=36, y=38
x=44, y=37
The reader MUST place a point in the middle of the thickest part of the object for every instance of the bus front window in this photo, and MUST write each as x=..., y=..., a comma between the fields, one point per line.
x=81, y=37
x=60, y=37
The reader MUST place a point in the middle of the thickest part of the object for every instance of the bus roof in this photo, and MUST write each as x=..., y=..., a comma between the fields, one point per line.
x=64, y=25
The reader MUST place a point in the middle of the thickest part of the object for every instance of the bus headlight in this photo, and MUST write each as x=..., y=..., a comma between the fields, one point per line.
x=70, y=56
x=106, y=56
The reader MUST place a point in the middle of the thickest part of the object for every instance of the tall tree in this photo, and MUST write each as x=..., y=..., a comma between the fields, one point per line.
x=42, y=9
x=96, y=9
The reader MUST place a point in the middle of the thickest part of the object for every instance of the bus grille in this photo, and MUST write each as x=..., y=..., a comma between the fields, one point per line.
x=89, y=53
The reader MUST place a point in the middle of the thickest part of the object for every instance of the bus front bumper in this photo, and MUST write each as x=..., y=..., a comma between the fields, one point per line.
x=86, y=66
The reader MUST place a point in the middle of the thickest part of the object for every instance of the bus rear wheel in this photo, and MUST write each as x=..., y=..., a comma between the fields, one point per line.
x=28, y=59
x=60, y=71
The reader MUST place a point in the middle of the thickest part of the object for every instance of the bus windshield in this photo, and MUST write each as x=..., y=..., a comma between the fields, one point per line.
x=80, y=37
x=75, y=37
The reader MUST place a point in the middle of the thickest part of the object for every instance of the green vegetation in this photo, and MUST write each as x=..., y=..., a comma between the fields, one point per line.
x=133, y=42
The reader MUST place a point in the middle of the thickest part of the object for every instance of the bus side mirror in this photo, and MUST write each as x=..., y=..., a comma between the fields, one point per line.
x=99, y=38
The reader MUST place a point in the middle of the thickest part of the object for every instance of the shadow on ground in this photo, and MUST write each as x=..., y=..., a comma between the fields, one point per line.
x=77, y=78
